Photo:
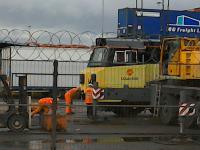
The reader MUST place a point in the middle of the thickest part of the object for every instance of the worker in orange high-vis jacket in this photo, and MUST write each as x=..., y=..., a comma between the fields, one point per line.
x=69, y=96
x=44, y=105
x=89, y=99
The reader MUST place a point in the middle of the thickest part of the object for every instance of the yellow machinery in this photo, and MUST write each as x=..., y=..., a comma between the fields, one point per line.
x=180, y=79
x=141, y=72
x=181, y=57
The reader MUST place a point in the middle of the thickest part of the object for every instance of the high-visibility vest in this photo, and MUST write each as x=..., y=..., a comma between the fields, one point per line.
x=88, y=95
x=44, y=105
x=46, y=100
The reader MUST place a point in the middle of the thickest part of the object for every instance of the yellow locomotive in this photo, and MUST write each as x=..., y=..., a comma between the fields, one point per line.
x=134, y=72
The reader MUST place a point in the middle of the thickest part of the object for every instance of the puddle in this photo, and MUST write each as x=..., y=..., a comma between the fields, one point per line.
x=177, y=140
x=40, y=144
x=137, y=139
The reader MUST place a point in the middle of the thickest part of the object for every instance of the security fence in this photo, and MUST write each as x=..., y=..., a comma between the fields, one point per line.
x=15, y=61
x=39, y=73
x=131, y=102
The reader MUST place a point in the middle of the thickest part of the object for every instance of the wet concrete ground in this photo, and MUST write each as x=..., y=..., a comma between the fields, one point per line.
x=103, y=142
x=108, y=132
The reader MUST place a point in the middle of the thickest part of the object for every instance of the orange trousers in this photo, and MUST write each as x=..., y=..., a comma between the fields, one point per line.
x=68, y=99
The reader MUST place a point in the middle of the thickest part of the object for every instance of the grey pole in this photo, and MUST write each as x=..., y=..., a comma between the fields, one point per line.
x=163, y=4
x=54, y=105
x=183, y=99
x=136, y=3
x=94, y=110
x=168, y=5
x=142, y=3
x=102, y=28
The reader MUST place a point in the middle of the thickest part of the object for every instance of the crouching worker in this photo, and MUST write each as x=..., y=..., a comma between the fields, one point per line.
x=69, y=96
x=44, y=106
x=45, y=109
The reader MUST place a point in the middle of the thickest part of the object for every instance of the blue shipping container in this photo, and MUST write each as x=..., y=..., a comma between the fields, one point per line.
x=151, y=23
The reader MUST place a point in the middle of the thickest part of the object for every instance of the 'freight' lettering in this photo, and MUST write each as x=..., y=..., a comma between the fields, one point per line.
x=183, y=29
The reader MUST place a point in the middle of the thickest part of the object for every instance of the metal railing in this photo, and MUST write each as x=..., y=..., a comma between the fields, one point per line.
x=39, y=73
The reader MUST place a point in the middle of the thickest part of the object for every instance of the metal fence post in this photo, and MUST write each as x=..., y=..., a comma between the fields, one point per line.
x=54, y=105
x=198, y=114
x=183, y=98
x=29, y=112
x=94, y=108
x=185, y=110
x=23, y=94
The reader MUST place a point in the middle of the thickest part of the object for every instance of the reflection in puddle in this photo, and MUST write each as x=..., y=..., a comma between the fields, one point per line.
x=74, y=143
x=35, y=145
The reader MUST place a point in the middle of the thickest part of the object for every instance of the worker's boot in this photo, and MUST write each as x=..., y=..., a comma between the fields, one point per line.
x=69, y=111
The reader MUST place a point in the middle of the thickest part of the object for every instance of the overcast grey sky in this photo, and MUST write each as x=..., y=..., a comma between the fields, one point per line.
x=73, y=15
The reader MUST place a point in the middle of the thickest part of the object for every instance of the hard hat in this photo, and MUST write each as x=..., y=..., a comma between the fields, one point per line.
x=90, y=84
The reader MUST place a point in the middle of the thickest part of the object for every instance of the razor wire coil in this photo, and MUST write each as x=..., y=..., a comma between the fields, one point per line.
x=24, y=44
